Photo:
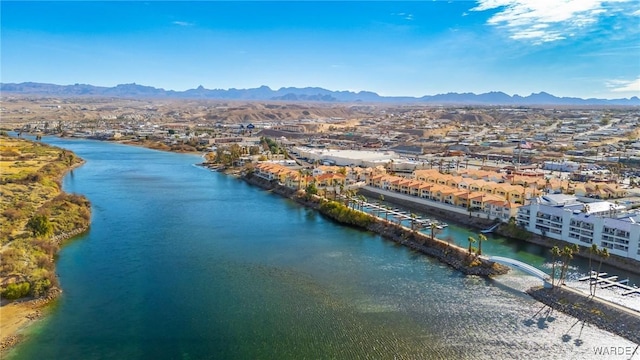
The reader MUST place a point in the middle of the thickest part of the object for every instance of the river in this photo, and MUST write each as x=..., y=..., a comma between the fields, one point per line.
x=184, y=263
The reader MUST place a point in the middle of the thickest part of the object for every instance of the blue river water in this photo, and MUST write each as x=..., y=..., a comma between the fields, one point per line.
x=184, y=263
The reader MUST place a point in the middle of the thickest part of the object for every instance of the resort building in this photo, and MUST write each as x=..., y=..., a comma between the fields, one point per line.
x=604, y=223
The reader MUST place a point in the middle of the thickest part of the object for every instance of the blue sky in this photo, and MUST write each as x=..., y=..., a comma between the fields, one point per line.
x=584, y=48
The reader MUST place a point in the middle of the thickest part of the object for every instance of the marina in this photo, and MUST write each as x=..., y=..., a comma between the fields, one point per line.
x=611, y=281
x=378, y=210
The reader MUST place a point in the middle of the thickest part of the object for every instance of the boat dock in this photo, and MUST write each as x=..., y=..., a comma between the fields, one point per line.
x=377, y=209
x=611, y=281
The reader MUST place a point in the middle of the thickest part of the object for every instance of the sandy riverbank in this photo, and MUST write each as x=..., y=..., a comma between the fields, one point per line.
x=16, y=316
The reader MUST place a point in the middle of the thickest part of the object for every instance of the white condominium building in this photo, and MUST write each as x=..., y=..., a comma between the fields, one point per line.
x=604, y=223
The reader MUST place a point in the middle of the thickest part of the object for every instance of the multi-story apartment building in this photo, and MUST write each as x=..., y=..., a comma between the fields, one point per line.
x=604, y=223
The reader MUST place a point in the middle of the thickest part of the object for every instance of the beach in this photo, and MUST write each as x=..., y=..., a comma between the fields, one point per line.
x=18, y=315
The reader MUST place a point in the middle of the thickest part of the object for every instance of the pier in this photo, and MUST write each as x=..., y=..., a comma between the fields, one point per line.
x=611, y=281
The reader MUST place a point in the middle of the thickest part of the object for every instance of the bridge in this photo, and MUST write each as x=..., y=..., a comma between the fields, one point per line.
x=524, y=267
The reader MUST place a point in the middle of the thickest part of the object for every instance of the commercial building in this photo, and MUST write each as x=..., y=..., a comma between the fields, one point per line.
x=604, y=223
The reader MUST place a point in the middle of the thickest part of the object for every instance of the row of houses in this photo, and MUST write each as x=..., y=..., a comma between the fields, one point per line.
x=475, y=195
x=538, y=185
x=485, y=191
x=335, y=179
x=325, y=180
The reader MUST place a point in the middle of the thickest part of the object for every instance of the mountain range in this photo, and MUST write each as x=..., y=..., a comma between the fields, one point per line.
x=301, y=94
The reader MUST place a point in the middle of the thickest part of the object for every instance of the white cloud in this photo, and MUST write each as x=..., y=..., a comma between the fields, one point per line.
x=405, y=16
x=624, y=86
x=548, y=20
x=182, y=23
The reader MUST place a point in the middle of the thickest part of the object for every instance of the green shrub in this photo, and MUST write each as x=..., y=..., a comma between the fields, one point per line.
x=40, y=287
x=345, y=214
x=40, y=225
x=16, y=291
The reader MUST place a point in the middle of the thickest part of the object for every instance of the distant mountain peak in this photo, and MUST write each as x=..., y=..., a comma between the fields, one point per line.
x=264, y=92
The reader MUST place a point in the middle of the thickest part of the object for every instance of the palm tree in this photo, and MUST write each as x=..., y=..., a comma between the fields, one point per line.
x=481, y=238
x=413, y=222
x=592, y=251
x=602, y=254
x=471, y=240
x=433, y=230
x=555, y=253
x=361, y=200
x=567, y=253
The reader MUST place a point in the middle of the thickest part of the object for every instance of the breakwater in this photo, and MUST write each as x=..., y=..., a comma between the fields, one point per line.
x=450, y=254
x=612, y=318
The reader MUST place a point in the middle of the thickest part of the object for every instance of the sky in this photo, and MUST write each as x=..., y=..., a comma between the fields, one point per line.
x=578, y=48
